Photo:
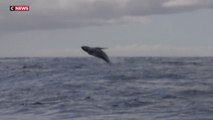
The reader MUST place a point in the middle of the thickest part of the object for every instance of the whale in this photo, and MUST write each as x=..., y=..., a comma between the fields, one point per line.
x=97, y=52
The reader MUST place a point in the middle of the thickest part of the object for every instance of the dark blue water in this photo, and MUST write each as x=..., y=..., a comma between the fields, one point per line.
x=88, y=89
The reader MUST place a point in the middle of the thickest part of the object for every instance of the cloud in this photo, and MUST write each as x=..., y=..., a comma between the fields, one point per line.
x=159, y=50
x=188, y=3
x=65, y=14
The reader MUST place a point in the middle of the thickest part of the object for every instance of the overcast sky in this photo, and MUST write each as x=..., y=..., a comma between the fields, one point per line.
x=58, y=28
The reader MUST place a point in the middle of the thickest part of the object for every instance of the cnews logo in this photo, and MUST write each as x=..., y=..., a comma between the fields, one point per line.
x=19, y=8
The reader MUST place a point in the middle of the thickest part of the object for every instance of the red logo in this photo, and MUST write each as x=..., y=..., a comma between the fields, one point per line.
x=19, y=8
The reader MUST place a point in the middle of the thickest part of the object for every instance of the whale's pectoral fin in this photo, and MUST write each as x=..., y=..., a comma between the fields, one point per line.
x=101, y=48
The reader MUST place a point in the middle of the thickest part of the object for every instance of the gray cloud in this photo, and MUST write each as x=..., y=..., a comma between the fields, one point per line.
x=62, y=14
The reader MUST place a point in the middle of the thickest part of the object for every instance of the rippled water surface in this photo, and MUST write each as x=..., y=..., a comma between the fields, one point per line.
x=88, y=89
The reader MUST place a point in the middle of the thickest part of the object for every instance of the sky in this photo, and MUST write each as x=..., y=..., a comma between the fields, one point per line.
x=58, y=28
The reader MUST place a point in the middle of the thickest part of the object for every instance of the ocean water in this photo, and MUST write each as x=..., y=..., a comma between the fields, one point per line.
x=138, y=88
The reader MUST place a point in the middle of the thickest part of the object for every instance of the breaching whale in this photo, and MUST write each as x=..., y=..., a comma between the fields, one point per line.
x=97, y=52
